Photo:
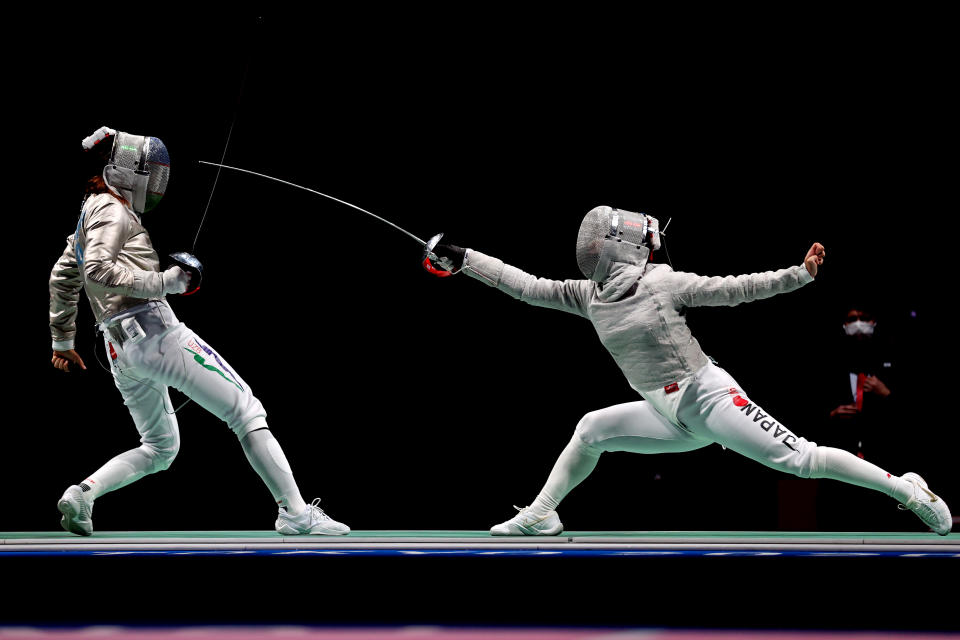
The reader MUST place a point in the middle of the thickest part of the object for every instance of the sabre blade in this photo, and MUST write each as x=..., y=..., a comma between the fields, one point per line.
x=293, y=184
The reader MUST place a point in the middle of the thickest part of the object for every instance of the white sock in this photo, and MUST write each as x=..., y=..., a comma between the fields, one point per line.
x=838, y=464
x=267, y=459
x=120, y=471
x=575, y=463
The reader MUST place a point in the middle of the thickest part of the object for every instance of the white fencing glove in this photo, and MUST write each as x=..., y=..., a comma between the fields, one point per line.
x=175, y=280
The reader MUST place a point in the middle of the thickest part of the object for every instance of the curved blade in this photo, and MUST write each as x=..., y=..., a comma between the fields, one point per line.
x=293, y=184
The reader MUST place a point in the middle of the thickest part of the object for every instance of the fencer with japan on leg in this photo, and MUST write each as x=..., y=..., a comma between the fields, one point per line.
x=637, y=309
x=111, y=258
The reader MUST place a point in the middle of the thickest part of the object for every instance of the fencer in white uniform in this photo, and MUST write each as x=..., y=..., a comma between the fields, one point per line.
x=110, y=256
x=637, y=309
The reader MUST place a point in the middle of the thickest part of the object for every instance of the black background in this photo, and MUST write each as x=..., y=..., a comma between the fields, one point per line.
x=409, y=402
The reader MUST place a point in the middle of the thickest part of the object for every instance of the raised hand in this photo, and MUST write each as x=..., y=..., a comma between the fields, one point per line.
x=814, y=258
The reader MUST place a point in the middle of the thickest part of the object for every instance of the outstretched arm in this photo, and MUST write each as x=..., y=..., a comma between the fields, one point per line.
x=565, y=295
x=701, y=291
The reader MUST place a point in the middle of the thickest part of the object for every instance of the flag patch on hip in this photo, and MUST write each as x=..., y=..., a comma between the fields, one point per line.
x=199, y=351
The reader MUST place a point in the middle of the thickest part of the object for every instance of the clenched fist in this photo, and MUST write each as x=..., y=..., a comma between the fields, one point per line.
x=814, y=258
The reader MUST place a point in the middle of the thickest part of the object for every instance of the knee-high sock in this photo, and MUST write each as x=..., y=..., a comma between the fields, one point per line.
x=123, y=469
x=838, y=464
x=575, y=463
x=267, y=459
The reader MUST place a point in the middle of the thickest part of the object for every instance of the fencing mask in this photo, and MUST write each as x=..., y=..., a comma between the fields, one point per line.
x=610, y=235
x=138, y=170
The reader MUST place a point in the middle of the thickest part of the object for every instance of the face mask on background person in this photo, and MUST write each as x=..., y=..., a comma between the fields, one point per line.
x=859, y=323
x=859, y=328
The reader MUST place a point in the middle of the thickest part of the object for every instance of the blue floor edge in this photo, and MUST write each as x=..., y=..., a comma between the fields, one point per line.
x=480, y=552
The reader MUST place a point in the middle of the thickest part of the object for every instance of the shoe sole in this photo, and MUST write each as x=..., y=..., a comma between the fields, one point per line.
x=313, y=533
x=329, y=533
x=293, y=532
x=69, y=515
x=547, y=532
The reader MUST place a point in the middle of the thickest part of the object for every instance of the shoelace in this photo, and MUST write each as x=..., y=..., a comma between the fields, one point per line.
x=525, y=511
x=920, y=507
x=924, y=512
x=85, y=509
x=316, y=511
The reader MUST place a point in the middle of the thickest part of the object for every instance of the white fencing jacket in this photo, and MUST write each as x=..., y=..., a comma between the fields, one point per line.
x=637, y=310
x=111, y=256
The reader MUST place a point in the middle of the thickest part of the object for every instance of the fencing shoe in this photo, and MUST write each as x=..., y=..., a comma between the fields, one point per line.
x=526, y=523
x=929, y=507
x=77, y=513
x=311, y=520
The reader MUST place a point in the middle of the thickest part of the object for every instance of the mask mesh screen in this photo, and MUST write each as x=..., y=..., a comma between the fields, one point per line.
x=126, y=150
x=158, y=164
x=594, y=227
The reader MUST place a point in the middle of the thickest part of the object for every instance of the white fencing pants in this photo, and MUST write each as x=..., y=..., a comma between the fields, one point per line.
x=170, y=356
x=178, y=358
x=710, y=407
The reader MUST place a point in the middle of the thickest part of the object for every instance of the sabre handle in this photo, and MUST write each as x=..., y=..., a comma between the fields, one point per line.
x=447, y=256
x=432, y=269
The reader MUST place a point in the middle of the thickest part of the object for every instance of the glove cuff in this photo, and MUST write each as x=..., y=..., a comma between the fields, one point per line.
x=63, y=345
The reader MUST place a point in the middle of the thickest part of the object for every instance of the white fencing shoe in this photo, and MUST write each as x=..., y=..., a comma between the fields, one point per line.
x=311, y=520
x=928, y=506
x=526, y=523
x=77, y=513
